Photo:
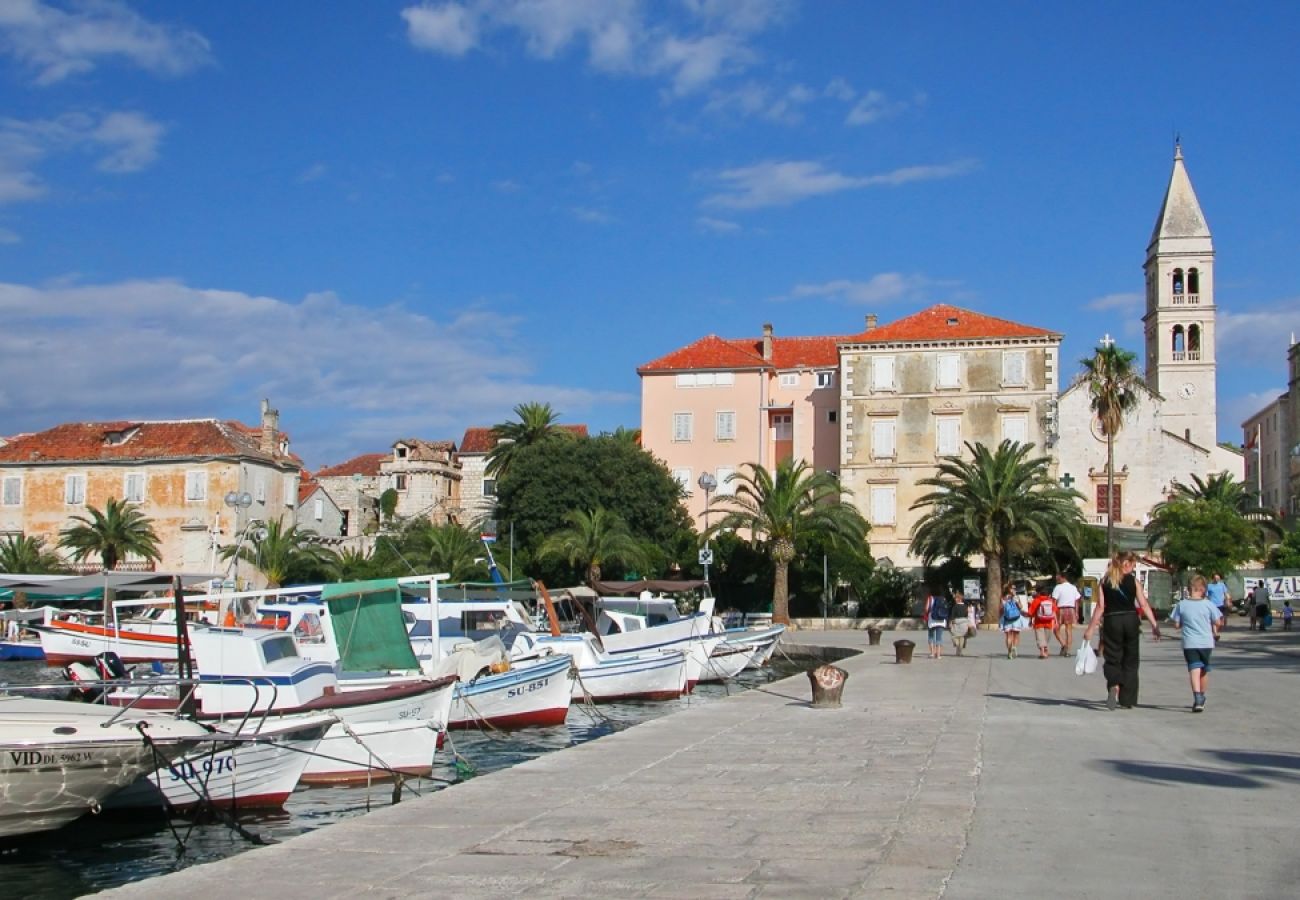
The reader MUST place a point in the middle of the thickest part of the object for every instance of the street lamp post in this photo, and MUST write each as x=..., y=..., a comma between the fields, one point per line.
x=237, y=500
x=707, y=484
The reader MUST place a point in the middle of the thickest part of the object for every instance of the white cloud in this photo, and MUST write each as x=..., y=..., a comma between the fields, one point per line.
x=622, y=37
x=760, y=101
x=717, y=226
x=314, y=172
x=781, y=183
x=451, y=28
x=147, y=349
x=1129, y=302
x=885, y=287
x=1260, y=337
x=127, y=142
x=55, y=43
x=506, y=186
x=593, y=216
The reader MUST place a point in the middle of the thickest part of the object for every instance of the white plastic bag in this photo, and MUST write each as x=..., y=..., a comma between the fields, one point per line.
x=1086, y=662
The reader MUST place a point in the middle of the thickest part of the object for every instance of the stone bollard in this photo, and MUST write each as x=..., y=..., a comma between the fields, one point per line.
x=873, y=637
x=903, y=651
x=827, y=685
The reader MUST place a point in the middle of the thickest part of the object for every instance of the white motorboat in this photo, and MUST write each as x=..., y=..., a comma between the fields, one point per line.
x=763, y=641
x=604, y=677
x=60, y=759
x=17, y=639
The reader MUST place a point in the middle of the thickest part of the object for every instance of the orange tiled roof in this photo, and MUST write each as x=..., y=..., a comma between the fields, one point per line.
x=123, y=441
x=366, y=464
x=477, y=440
x=947, y=323
x=713, y=352
x=306, y=487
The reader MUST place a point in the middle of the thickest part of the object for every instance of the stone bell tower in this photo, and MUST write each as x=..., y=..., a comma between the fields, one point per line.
x=1180, y=312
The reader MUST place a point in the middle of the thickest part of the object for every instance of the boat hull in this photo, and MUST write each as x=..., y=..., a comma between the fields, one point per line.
x=68, y=642
x=648, y=677
x=12, y=651
x=537, y=695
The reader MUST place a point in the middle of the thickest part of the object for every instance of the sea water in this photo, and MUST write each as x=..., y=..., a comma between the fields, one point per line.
x=104, y=851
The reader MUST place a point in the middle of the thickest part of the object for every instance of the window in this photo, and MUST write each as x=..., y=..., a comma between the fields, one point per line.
x=948, y=430
x=704, y=379
x=882, y=505
x=1193, y=281
x=882, y=373
x=726, y=486
x=724, y=425
x=825, y=379
x=883, y=444
x=949, y=370
x=726, y=379
x=789, y=379
x=1015, y=428
x=290, y=490
x=489, y=487
x=12, y=494
x=74, y=490
x=259, y=489
x=686, y=379
x=683, y=479
x=196, y=486
x=133, y=487
x=783, y=427
x=401, y=452
x=1115, y=509
x=399, y=482
x=318, y=509
x=1013, y=367
x=832, y=416
x=683, y=426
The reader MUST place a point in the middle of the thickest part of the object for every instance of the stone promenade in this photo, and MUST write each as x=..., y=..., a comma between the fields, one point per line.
x=964, y=778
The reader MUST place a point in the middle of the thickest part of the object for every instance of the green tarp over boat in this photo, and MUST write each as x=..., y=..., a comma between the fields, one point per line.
x=368, y=625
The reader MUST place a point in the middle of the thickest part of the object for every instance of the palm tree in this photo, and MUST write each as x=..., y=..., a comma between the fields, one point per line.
x=995, y=503
x=1113, y=385
x=112, y=535
x=591, y=541
x=625, y=435
x=536, y=424
x=28, y=555
x=354, y=565
x=1221, y=487
x=450, y=548
x=279, y=552
x=776, y=509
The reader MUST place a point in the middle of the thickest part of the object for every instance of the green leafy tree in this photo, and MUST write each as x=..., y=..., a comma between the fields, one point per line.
x=889, y=592
x=1286, y=555
x=1221, y=487
x=821, y=563
x=388, y=504
x=118, y=531
x=536, y=423
x=1201, y=535
x=1113, y=389
x=591, y=541
x=776, y=508
x=449, y=548
x=626, y=435
x=550, y=480
x=356, y=565
x=28, y=555
x=996, y=503
x=285, y=553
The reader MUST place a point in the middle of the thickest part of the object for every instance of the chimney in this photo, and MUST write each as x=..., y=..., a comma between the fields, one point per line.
x=270, y=426
x=767, y=342
x=871, y=321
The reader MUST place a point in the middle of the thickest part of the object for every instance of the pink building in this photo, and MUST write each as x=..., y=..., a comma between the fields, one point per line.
x=716, y=404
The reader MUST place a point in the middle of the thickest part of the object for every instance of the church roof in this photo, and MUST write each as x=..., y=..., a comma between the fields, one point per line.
x=1180, y=214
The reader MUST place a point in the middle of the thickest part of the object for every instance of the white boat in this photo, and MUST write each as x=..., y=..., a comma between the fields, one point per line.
x=763, y=641
x=604, y=677
x=259, y=769
x=59, y=759
x=641, y=624
x=17, y=639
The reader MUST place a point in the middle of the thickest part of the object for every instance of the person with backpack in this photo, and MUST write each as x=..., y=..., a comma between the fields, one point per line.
x=1042, y=612
x=964, y=618
x=1010, y=618
x=936, y=621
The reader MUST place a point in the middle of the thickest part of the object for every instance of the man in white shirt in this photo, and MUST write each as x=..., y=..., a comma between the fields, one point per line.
x=1066, y=596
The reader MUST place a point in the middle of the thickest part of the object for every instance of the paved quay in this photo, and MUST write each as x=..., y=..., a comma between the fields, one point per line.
x=963, y=778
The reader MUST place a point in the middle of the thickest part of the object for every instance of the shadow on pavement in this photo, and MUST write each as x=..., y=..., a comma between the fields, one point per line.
x=1050, y=701
x=1250, y=770
x=1256, y=758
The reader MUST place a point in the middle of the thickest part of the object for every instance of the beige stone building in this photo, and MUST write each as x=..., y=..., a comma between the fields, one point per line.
x=1271, y=438
x=178, y=473
x=426, y=476
x=355, y=487
x=917, y=390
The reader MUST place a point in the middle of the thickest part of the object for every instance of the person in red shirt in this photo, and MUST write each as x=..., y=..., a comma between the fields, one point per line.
x=1042, y=612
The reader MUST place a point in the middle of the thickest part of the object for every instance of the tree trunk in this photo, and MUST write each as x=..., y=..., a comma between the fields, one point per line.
x=993, y=603
x=781, y=593
x=1110, y=495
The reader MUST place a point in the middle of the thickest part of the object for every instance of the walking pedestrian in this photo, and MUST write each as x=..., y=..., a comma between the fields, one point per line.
x=1286, y=615
x=936, y=621
x=1066, y=596
x=1042, y=612
x=1011, y=616
x=1199, y=620
x=1250, y=605
x=1263, y=605
x=962, y=623
x=1121, y=601
x=1217, y=593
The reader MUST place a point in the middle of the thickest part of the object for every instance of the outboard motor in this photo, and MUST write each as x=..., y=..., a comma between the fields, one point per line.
x=87, y=678
x=110, y=666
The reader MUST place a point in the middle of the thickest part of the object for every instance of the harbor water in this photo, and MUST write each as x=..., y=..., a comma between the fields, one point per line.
x=103, y=851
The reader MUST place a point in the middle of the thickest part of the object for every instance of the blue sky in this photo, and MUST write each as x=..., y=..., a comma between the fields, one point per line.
x=400, y=220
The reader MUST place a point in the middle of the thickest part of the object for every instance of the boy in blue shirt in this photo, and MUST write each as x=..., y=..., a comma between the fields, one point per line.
x=1199, y=620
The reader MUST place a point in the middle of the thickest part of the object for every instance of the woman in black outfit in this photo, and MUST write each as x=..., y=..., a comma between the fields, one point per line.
x=1122, y=600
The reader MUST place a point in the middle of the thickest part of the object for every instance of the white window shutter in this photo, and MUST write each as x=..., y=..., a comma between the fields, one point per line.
x=883, y=444
x=682, y=426
x=882, y=373
x=1015, y=429
x=725, y=425
x=1013, y=367
x=949, y=434
x=318, y=510
x=882, y=505
x=949, y=368
x=726, y=487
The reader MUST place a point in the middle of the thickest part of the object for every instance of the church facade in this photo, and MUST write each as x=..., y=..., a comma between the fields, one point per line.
x=1172, y=434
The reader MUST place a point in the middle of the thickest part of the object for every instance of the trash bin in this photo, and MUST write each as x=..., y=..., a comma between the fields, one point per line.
x=873, y=637
x=903, y=651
